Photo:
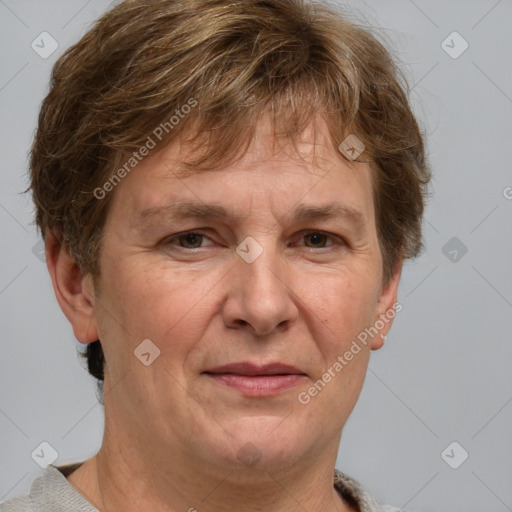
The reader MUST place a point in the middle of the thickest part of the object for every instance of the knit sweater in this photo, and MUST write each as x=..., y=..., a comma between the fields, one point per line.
x=52, y=492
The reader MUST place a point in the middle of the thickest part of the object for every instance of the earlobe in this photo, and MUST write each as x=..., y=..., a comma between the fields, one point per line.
x=73, y=289
x=387, y=308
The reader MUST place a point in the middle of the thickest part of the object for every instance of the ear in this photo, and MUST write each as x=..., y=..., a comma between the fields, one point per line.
x=387, y=307
x=73, y=290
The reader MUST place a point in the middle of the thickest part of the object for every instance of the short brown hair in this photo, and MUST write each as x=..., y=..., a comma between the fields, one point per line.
x=144, y=60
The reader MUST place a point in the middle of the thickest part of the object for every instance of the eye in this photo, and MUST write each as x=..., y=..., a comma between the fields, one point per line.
x=317, y=239
x=189, y=240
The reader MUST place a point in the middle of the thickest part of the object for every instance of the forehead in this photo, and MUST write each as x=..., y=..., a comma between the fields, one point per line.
x=309, y=176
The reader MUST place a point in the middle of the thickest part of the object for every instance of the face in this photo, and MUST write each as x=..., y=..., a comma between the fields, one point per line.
x=270, y=266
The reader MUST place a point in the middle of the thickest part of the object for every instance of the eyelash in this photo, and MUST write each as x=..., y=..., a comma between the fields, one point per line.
x=169, y=240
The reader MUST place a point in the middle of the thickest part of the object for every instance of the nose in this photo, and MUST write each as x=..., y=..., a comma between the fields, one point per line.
x=259, y=298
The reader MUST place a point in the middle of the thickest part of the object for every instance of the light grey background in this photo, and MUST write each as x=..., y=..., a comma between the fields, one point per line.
x=444, y=373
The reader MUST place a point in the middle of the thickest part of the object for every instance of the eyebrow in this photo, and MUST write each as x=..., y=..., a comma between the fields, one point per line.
x=181, y=210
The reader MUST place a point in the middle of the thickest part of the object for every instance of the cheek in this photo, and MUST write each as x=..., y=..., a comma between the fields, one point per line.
x=158, y=305
x=344, y=310
x=342, y=314
x=164, y=305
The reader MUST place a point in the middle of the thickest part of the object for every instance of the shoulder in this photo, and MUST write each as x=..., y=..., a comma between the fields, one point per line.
x=21, y=504
x=354, y=493
x=26, y=503
x=51, y=491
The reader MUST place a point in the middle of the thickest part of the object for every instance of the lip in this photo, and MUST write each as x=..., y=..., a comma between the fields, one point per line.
x=254, y=380
x=248, y=368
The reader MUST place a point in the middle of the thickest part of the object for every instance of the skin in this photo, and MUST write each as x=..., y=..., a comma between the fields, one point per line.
x=172, y=435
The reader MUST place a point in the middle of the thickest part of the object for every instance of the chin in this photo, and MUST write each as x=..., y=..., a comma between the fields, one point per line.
x=267, y=443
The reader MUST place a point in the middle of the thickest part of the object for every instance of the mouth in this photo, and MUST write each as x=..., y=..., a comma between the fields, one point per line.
x=253, y=380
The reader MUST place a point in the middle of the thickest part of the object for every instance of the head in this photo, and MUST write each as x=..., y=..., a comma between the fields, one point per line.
x=241, y=106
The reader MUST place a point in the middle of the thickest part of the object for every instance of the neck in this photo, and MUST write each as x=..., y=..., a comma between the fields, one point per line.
x=120, y=479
